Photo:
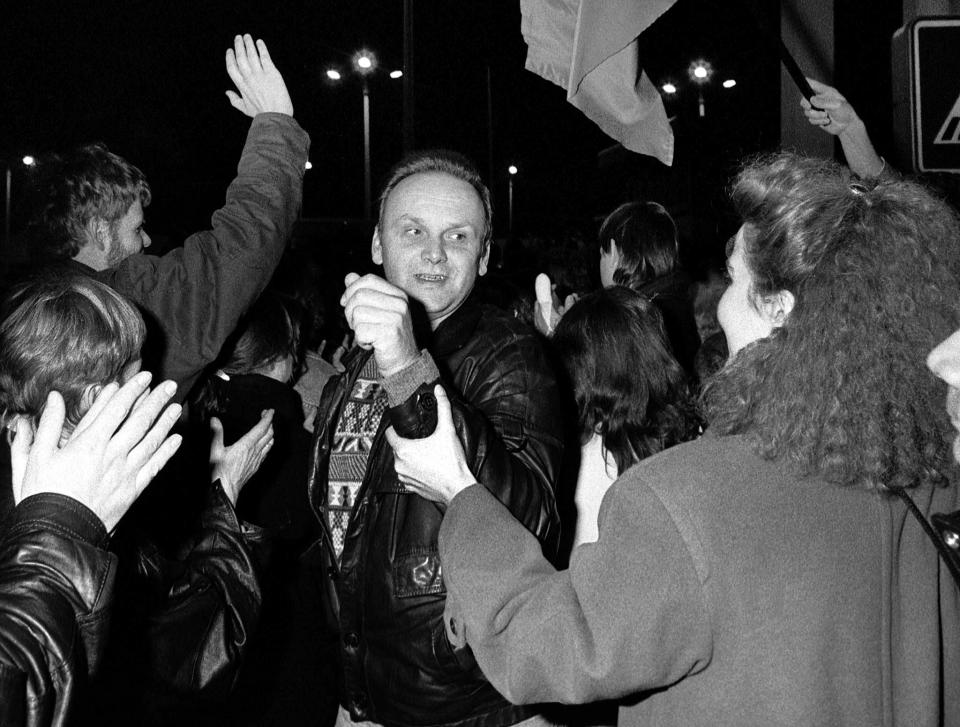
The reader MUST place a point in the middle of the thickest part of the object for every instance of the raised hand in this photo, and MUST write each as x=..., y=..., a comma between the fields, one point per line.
x=434, y=467
x=379, y=314
x=236, y=464
x=115, y=451
x=833, y=113
x=259, y=82
x=548, y=310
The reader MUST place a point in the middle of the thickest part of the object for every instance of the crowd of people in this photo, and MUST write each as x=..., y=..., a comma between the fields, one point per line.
x=488, y=504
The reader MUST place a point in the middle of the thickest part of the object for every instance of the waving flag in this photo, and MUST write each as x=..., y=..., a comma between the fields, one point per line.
x=589, y=48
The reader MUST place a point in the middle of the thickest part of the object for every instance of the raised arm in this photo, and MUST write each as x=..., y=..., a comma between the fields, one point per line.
x=836, y=116
x=194, y=295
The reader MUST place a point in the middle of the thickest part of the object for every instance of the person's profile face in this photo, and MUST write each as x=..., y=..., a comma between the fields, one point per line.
x=609, y=260
x=740, y=318
x=944, y=361
x=128, y=237
x=431, y=241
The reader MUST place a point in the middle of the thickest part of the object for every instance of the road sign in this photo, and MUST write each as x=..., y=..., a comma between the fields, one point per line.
x=926, y=93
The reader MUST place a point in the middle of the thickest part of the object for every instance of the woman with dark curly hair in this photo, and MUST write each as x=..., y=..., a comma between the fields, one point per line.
x=633, y=399
x=764, y=573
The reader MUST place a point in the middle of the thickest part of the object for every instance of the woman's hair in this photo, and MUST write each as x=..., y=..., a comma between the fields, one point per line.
x=63, y=332
x=628, y=387
x=841, y=388
x=268, y=333
x=646, y=237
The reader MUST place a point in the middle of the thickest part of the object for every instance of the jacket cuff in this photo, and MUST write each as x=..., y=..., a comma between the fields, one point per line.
x=403, y=384
x=61, y=514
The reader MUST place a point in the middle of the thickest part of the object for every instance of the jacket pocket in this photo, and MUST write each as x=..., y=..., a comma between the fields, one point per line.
x=418, y=573
x=451, y=660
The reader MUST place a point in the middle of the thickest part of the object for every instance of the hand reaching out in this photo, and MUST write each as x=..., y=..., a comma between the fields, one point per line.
x=259, y=82
x=110, y=457
x=434, y=467
x=236, y=464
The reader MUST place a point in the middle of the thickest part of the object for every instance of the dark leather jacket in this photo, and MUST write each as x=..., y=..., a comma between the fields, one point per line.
x=56, y=584
x=387, y=595
x=177, y=635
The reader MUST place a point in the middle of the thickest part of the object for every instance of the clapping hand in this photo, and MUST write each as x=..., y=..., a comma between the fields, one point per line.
x=114, y=452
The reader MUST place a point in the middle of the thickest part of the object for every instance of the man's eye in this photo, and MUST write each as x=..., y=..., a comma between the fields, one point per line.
x=457, y=236
x=413, y=231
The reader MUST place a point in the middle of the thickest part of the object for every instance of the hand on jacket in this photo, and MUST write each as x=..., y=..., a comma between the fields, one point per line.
x=434, y=467
x=259, y=82
x=236, y=464
x=379, y=314
x=109, y=458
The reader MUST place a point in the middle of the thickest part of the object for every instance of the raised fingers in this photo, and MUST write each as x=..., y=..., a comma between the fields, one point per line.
x=141, y=419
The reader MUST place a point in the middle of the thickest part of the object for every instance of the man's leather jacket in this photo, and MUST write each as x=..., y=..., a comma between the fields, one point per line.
x=386, y=597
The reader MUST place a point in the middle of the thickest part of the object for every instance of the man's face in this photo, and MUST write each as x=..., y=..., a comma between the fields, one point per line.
x=127, y=237
x=944, y=361
x=429, y=241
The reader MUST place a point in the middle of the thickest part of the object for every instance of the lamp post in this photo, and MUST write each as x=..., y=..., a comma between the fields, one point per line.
x=27, y=161
x=512, y=171
x=700, y=72
x=364, y=64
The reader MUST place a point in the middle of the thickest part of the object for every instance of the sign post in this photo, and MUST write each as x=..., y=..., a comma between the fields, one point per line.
x=926, y=93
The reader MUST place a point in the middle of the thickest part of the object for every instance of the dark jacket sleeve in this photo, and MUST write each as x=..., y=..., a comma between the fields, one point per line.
x=509, y=421
x=203, y=607
x=195, y=294
x=56, y=583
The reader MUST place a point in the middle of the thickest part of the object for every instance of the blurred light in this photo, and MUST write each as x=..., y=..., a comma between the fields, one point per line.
x=365, y=61
x=29, y=160
x=396, y=74
x=729, y=83
x=700, y=71
x=308, y=165
x=669, y=88
x=512, y=169
x=333, y=74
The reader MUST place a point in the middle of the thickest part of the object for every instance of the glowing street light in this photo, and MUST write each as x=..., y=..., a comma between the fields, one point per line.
x=700, y=72
x=396, y=74
x=309, y=165
x=512, y=171
x=29, y=161
x=365, y=61
x=669, y=88
x=333, y=74
x=729, y=83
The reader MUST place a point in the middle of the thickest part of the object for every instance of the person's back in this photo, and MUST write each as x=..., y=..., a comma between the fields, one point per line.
x=826, y=605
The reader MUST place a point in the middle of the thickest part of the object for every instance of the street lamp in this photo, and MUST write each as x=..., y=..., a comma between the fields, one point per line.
x=700, y=72
x=512, y=171
x=364, y=63
x=27, y=161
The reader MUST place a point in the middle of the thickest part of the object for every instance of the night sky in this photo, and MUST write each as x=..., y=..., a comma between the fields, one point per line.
x=148, y=79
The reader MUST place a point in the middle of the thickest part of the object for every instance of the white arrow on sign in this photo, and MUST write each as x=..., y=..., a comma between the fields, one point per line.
x=950, y=130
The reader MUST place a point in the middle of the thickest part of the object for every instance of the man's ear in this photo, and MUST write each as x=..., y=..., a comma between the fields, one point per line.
x=376, y=249
x=100, y=233
x=484, y=259
x=776, y=308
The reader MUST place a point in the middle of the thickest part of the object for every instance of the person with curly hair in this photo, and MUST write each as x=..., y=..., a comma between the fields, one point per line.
x=765, y=573
x=633, y=399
